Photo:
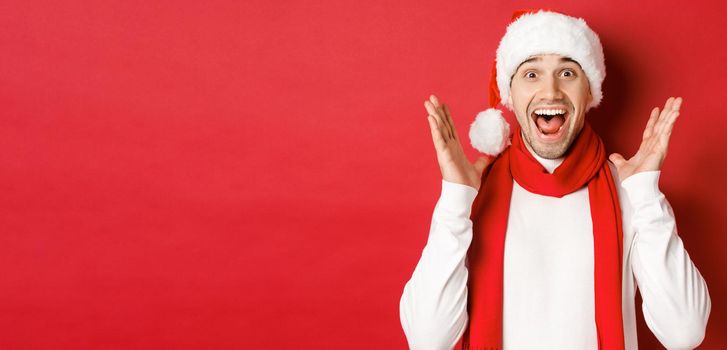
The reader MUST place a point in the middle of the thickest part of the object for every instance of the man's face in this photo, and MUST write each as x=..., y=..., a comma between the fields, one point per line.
x=550, y=84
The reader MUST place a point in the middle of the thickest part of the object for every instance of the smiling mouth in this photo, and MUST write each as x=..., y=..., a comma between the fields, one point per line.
x=550, y=122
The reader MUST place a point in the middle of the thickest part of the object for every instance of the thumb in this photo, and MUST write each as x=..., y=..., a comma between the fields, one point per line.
x=617, y=159
x=482, y=163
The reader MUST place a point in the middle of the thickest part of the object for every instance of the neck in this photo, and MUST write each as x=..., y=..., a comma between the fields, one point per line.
x=549, y=164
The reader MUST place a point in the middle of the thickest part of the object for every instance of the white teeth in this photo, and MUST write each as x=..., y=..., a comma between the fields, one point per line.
x=549, y=111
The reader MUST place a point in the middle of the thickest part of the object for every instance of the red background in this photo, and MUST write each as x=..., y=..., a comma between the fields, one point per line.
x=256, y=174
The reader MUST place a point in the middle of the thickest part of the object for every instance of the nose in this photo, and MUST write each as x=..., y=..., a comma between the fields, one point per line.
x=551, y=89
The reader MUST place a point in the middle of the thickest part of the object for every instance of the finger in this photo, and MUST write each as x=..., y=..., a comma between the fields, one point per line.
x=442, y=114
x=673, y=116
x=617, y=159
x=441, y=128
x=438, y=118
x=659, y=127
x=670, y=125
x=452, y=129
x=668, y=104
x=667, y=107
x=649, y=129
x=665, y=132
x=482, y=163
x=446, y=121
x=430, y=107
x=437, y=138
x=677, y=104
x=666, y=135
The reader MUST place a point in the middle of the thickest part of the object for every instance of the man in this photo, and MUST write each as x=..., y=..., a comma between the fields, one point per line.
x=544, y=246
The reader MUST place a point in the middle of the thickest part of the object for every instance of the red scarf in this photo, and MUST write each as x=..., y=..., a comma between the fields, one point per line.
x=584, y=165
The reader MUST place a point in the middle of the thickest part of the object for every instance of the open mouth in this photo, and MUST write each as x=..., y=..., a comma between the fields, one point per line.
x=550, y=122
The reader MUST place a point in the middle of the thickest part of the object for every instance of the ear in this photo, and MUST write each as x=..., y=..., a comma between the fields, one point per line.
x=590, y=98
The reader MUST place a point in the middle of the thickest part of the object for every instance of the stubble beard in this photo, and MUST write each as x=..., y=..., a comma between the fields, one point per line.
x=551, y=151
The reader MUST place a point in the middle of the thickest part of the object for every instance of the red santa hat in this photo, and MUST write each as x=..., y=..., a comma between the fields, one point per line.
x=533, y=32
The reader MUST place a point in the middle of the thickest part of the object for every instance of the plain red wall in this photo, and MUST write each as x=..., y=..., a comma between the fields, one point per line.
x=256, y=174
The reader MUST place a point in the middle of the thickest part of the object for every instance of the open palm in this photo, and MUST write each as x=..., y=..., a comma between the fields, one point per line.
x=654, y=144
x=453, y=163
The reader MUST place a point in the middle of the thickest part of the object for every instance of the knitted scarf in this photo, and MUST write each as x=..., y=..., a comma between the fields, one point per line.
x=584, y=165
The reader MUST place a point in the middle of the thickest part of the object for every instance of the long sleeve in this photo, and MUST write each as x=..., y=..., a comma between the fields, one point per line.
x=433, y=305
x=676, y=302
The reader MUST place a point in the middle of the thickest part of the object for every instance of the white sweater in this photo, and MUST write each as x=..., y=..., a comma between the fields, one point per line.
x=548, y=271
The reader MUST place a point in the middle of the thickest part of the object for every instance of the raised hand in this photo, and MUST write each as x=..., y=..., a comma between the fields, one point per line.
x=453, y=163
x=652, y=151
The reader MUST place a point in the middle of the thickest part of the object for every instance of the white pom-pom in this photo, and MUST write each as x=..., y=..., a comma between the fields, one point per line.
x=490, y=132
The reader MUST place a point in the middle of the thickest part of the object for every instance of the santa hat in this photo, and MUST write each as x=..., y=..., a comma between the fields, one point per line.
x=533, y=32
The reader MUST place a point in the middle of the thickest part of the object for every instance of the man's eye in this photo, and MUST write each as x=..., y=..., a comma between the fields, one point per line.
x=569, y=73
x=530, y=75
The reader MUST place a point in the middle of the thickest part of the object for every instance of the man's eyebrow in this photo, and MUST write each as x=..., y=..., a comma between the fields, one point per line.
x=568, y=59
x=538, y=58
x=531, y=59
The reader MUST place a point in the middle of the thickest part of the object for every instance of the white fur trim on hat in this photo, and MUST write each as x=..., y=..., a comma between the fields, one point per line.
x=490, y=132
x=546, y=32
